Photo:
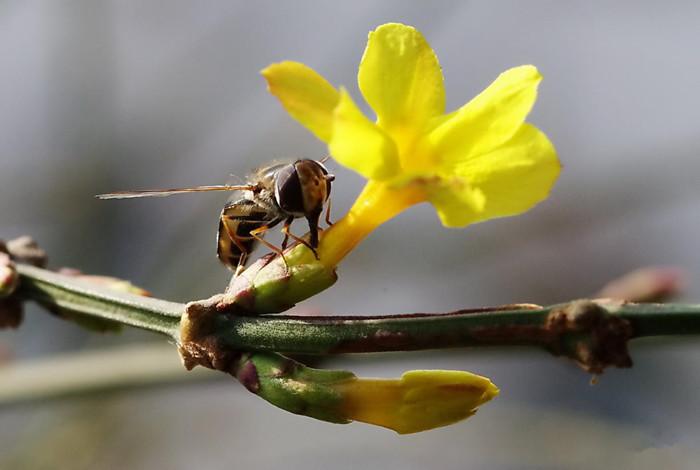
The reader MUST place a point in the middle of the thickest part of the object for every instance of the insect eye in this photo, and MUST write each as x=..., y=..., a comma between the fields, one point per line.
x=326, y=176
x=288, y=190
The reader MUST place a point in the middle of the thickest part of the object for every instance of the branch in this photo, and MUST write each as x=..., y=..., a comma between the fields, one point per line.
x=594, y=333
x=70, y=296
x=216, y=333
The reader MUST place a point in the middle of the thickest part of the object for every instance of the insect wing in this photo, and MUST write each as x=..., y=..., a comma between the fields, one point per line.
x=170, y=192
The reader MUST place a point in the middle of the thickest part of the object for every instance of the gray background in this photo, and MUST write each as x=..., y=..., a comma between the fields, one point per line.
x=98, y=96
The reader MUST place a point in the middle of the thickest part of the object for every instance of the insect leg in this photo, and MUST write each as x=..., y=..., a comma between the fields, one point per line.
x=229, y=252
x=328, y=213
x=285, y=231
x=258, y=234
x=245, y=247
x=313, y=228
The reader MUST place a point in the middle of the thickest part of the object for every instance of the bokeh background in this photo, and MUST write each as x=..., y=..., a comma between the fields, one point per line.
x=103, y=95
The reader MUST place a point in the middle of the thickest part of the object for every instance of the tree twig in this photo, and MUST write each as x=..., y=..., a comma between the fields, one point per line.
x=594, y=333
x=215, y=334
x=74, y=296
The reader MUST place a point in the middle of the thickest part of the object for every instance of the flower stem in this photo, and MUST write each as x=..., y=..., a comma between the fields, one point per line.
x=376, y=204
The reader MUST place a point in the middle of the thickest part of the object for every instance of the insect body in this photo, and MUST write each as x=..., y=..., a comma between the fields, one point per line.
x=282, y=193
x=274, y=194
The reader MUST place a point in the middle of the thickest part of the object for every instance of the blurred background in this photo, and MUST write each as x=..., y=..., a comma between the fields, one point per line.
x=97, y=96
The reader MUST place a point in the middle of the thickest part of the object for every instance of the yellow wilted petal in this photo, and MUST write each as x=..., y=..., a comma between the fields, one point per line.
x=515, y=176
x=419, y=401
x=359, y=144
x=400, y=77
x=488, y=120
x=457, y=202
x=305, y=94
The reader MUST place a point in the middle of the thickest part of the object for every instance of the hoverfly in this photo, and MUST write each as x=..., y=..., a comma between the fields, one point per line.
x=277, y=193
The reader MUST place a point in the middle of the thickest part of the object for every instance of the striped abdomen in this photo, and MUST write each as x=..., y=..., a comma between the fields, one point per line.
x=238, y=219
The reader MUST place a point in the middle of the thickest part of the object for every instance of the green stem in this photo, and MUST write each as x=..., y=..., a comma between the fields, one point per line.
x=595, y=334
x=662, y=319
x=592, y=333
x=463, y=328
x=508, y=325
x=66, y=293
x=273, y=377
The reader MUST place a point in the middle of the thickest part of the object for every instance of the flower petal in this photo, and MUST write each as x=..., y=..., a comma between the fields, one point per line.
x=359, y=144
x=305, y=94
x=418, y=401
x=400, y=77
x=512, y=178
x=488, y=120
x=457, y=203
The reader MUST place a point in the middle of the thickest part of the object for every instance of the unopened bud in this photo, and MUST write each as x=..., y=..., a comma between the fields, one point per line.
x=277, y=284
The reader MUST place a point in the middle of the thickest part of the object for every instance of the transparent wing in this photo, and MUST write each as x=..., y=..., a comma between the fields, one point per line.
x=170, y=192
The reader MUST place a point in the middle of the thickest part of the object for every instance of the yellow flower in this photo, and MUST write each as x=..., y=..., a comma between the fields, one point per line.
x=418, y=401
x=479, y=162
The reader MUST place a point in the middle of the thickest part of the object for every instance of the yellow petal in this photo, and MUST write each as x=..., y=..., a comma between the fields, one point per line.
x=512, y=178
x=400, y=77
x=457, y=202
x=490, y=119
x=420, y=400
x=359, y=144
x=305, y=94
